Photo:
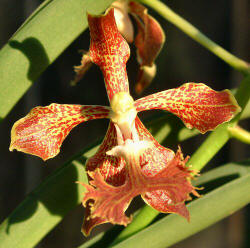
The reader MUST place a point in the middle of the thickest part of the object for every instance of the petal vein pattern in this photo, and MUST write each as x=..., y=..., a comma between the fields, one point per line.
x=114, y=185
x=171, y=177
x=196, y=104
x=43, y=130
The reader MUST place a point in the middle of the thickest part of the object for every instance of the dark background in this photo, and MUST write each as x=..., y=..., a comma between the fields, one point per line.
x=181, y=60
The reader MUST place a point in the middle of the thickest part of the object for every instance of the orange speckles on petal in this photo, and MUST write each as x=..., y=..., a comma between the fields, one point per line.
x=110, y=51
x=196, y=104
x=170, y=185
x=43, y=130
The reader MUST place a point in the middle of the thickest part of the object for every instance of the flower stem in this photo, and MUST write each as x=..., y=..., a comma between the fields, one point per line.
x=239, y=134
x=197, y=35
x=214, y=142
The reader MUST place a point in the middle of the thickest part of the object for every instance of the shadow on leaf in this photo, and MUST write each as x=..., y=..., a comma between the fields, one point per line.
x=35, y=53
x=57, y=195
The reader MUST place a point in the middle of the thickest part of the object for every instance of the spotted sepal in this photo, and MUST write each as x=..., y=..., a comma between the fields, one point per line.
x=196, y=104
x=43, y=130
x=110, y=51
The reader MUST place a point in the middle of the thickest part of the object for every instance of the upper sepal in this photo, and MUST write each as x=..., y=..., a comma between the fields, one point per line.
x=196, y=104
x=110, y=51
x=43, y=130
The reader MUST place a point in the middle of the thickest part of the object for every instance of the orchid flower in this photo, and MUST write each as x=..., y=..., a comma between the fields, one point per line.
x=130, y=161
x=148, y=41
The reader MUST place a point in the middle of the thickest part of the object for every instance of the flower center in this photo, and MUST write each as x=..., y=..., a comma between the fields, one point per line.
x=123, y=114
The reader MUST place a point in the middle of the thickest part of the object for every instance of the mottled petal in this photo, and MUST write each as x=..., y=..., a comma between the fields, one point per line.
x=43, y=130
x=157, y=156
x=110, y=51
x=160, y=201
x=110, y=202
x=171, y=200
x=196, y=104
x=113, y=169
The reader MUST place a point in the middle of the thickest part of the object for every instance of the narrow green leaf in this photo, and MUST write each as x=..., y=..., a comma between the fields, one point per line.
x=38, y=42
x=205, y=211
x=161, y=8
x=44, y=207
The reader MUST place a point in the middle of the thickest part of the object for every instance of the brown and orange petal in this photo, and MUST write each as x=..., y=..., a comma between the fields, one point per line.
x=150, y=37
x=112, y=170
x=171, y=200
x=43, y=130
x=90, y=222
x=148, y=41
x=156, y=173
x=157, y=156
x=196, y=104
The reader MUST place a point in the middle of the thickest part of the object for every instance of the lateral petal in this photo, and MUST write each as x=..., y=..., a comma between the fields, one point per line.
x=43, y=130
x=157, y=156
x=196, y=104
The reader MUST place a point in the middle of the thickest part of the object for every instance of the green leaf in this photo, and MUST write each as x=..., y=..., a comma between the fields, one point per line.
x=204, y=211
x=45, y=207
x=38, y=42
